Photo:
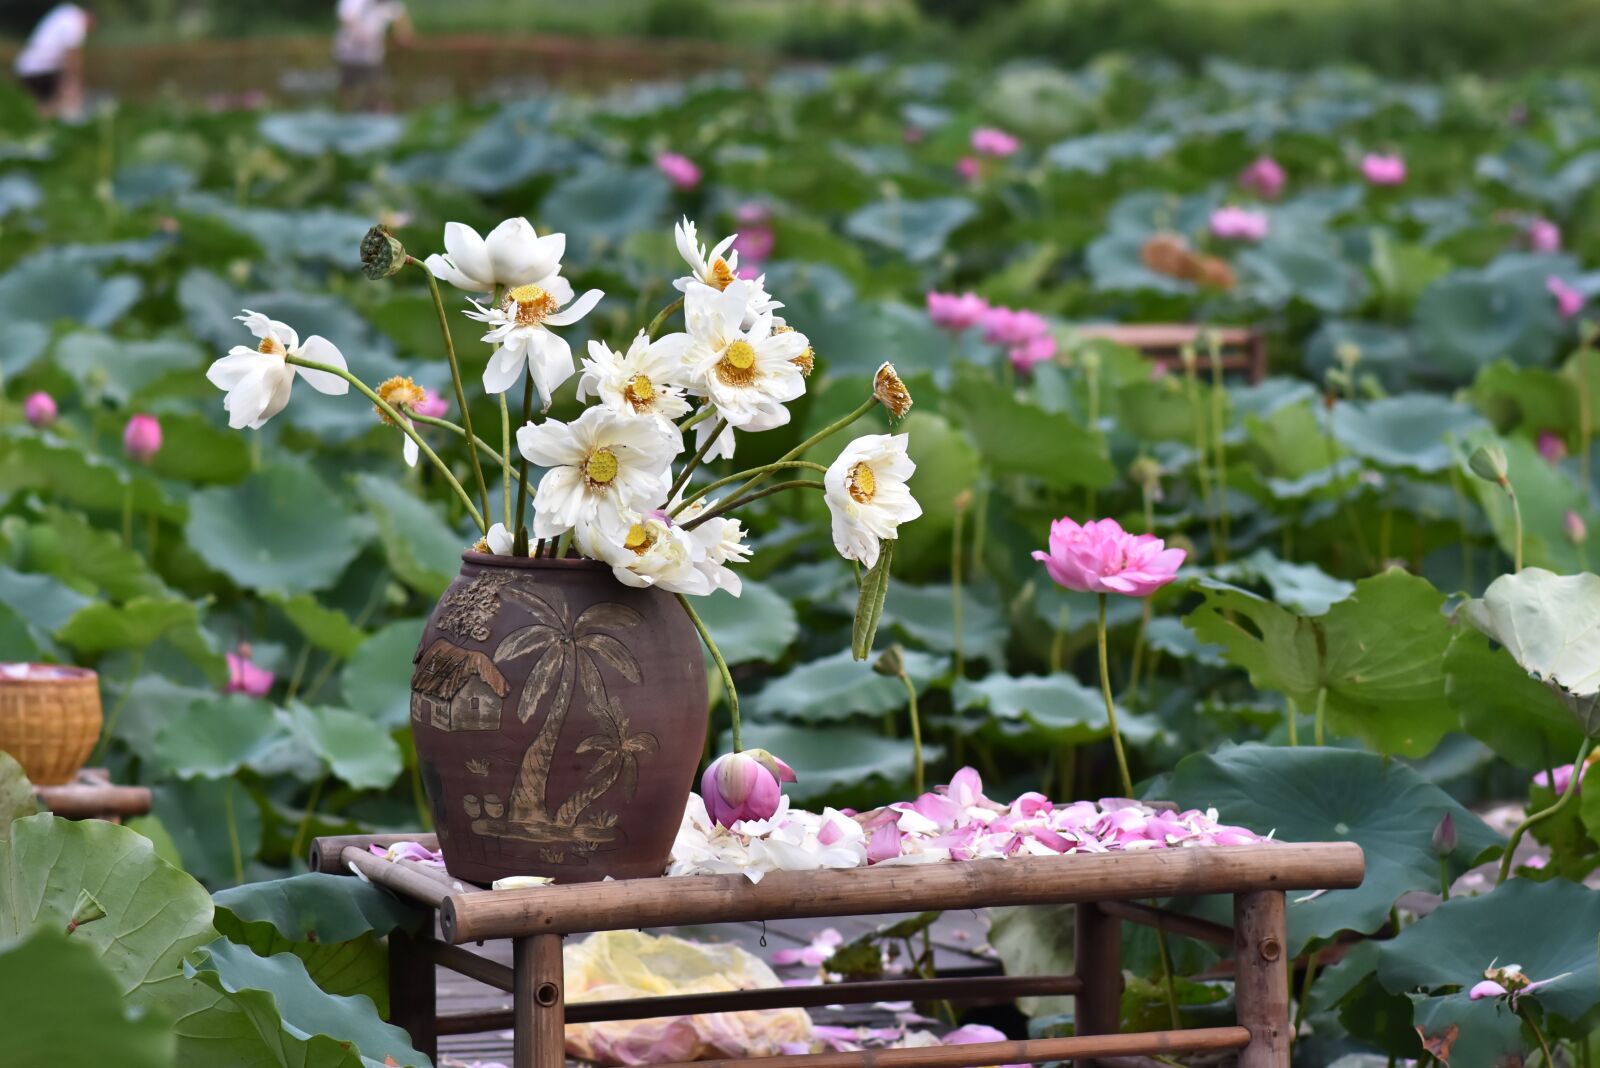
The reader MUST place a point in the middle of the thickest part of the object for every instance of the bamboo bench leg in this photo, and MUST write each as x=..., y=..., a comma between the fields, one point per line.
x=413, y=994
x=1097, y=949
x=1261, y=979
x=539, y=1003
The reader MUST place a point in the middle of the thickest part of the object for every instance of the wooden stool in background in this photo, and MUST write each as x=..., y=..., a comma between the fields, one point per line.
x=93, y=796
x=1244, y=348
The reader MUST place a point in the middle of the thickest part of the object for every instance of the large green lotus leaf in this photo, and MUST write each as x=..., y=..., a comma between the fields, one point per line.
x=1385, y=351
x=214, y=738
x=281, y=531
x=926, y=615
x=1418, y=431
x=72, y=476
x=1462, y=1033
x=1545, y=494
x=74, y=1012
x=17, y=800
x=1548, y=927
x=420, y=545
x=205, y=818
x=1504, y=707
x=326, y=628
x=1378, y=654
x=832, y=759
x=377, y=680
x=46, y=602
x=356, y=749
x=947, y=464
x=68, y=546
x=317, y=132
x=1057, y=707
x=1035, y=940
x=1096, y=153
x=1116, y=264
x=121, y=370
x=917, y=229
x=332, y=237
x=604, y=203
x=1303, y=588
x=314, y=907
x=1286, y=269
x=757, y=625
x=287, y=1009
x=1469, y=319
x=1550, y=624
x=837, y=687
x=193, y=450
x=1531, y=399
x=137, y=624
x=1308, y=794
x=154, y=913
x=1019, y=437
x=496, y=158
x=21, y=342
x=50, y=287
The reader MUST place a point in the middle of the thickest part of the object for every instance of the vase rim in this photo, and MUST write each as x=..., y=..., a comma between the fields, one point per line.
x=529, y=563
x=47, y=674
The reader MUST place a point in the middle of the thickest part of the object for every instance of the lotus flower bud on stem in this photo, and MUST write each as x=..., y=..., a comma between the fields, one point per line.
x=141, y=438
x=381, y=254
x=40, y=409
x=1488, y=462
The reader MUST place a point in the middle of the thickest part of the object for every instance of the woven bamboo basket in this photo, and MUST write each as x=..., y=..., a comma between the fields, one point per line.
x=50, y=720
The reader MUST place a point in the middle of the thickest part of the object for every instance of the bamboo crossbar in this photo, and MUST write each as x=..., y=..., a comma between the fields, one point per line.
x=327, y=853
x=977, y=988
x=467, y=963
x=405, y=881
x=1165, y=920
x=1085, y=877
x=1198, y=1040
x=76, y=801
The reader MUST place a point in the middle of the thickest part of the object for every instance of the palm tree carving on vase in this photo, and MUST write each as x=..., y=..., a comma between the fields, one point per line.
x=569, y=655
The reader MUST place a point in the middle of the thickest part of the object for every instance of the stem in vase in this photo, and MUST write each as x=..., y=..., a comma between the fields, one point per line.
x=455, y=380
x=722, y=668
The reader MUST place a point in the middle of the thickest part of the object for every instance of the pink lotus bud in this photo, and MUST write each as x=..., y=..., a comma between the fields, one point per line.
x=1264, y=177
x=432, y=405
x=40, y=409
x=1036, y=350
x=740, y=786
x=1544, y=236
x=679, y=169
x=1488, y=988
x=988, y=141
x=1383, y=170
x=246, y=676
x=141, y=438
x=1239, y=224
x=1569, y=301
x=1551, y=446
x=1577, y=530
x=952, y=312
x=967, y=168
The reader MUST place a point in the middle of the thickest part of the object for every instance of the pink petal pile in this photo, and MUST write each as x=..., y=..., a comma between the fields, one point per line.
x=951, y=823
x=415, y=851
x=1239, y=224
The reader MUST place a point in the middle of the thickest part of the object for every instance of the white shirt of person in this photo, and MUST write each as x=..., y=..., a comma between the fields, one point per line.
x=58, y=34
x=363, y=28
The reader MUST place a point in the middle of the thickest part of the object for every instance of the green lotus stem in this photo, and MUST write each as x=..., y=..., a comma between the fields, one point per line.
x=305, y=819
x=694, y=461
x=1462, y=510
x=738, y=502
x=1319, y=715
x=1218, y=444
x=135, y=663
x=505, y=463
x=981, y=507
x=821, y=435
x=780, y=465
x=722, y=668
x=1544, y=1045
x=916, y=733
x=1111, y=708
x=1091, y=371
x=1058, y=641
x=1444, y=879
x=127, y=515
x=1197, y=416
x=1305, y=994
x=1516, y=516
x=1293, y=715
x=955, y=597
x=400, y=421
x=1138, y=650
x=295, y=676
x=519, y=532
x=445, y=424
x=455, y=380
x=697, y=418
x=233, y=835
x=1544, y=814
x=1168, y=982
x=661, y=318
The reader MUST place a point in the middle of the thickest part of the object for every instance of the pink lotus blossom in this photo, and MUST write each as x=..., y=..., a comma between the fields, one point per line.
x=1380, y=169
x=1569, y=301
x=1577, y=530
x=246, y=676
x=1558, y=779
x=40, y=409
x=755, y=238
x=950, y=311
x=680, y=170
x=822, y=945
x=141, y=438
x=744, y=786
x=968, y=168
x=1544, y=235
x=1036, y=350
x=1552, y=446
x=974, y=1034
x=1509, y=982
x=1005, y=326
x=433, y=405
x=413, y=851
x=1264, y=177
x=1101, y=557
x=1239, y=224
x=989, y=141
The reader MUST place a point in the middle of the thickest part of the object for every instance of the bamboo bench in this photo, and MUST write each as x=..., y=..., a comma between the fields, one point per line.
x=1241, y=349
x=93, y=796
x=1105, y=887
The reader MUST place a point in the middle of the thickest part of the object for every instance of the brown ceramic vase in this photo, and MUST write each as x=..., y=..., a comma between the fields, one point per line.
x=559, y=717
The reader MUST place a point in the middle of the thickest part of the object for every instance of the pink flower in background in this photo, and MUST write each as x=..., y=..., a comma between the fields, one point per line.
x=414, y=851
x=755, y=238
x=1239, y=224
x=1005, y=326
x=1101, y=557
x=679, y=169
x=1544, y=236
x=989, y=141
x=1036, y=350
x=40, y=409
x=914, y=134
x=950, y=311
x=1552, y=447
x=1562, y=778
x=823, y=943
x=967, y=167
x=141, y=438
x=1577, y=530
x=1509, y=982
x=1569, y=301
x=744, y=786
x=1380, y=169
x=433, y=406
x=973, y=1034
x=246, y=676
x=1264, y=177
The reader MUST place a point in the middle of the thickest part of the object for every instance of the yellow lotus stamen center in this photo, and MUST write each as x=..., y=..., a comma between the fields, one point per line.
x=862, y=483
x=601, y=467
x=534, y=304
x=272, y=346
x=638, y=539
x=722, y=275
x=738, y=364
x=401, y=394
x=639, y=392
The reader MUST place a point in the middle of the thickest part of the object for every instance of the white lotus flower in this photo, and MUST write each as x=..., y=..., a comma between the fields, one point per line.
x=718, y=269
x=645, y=380
x=520, y=326
x=603, y=468
x=512, y=255
x=719, y=542
x=653, y=551
x=258, y=380
x=749, y=375
x=723, y=449
x=867, y=495
x=499, y=540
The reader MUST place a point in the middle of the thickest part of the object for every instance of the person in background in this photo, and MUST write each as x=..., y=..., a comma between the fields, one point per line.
x=50, y=65
x=361, y=43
